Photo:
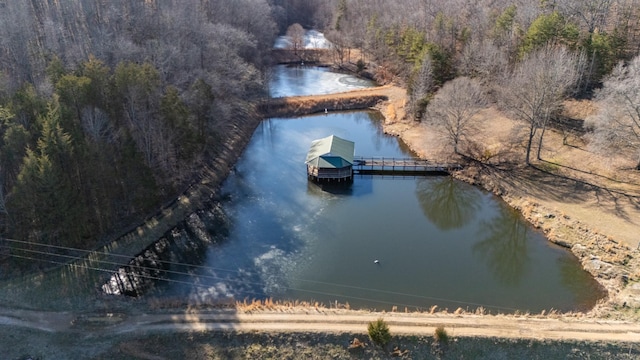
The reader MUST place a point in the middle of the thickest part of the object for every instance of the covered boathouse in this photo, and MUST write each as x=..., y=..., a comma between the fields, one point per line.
x=330, y=159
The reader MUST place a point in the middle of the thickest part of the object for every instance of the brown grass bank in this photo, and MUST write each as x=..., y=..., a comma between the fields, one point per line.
x=581, y=200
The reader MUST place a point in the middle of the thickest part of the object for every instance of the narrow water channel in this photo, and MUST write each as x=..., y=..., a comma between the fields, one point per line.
x=438, y=241
x=310, y=80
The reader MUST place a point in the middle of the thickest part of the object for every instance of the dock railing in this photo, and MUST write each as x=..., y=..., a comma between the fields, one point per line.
x=401, y=165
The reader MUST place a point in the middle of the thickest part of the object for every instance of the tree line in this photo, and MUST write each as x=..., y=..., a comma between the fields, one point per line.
x=485, y=37
x=526, y=57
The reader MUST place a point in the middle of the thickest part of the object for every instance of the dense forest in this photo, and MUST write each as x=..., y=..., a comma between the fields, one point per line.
x=526, y=57
x=110, y=108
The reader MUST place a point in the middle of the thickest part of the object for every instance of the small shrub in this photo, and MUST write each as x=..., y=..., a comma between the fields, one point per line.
x=441, y=335
x=379, y=332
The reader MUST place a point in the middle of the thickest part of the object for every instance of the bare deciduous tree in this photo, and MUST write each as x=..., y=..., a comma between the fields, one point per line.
x=422, y=85
x=534, y=91
x=483, y=59
x=617, y=123
x=96, y=125
x=592, y=13
x=338, y=46
x=296, y=33
x=454, y=106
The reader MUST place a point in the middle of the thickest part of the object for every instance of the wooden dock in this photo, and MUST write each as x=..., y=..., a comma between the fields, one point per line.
x=401, y=166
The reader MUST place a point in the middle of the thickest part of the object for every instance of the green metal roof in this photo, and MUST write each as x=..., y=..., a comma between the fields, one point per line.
x=331, y=152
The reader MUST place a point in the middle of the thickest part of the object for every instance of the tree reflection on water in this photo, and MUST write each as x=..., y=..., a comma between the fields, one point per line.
x=581, y=284
x=446, y=204
x=505, y=247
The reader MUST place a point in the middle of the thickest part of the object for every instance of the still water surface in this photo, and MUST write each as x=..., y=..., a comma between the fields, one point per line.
x=438, y=241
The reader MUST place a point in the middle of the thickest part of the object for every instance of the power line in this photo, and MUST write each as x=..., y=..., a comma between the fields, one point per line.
x=127, y=257
x=111, y=271
x=213, y=277
x=232, y=280
x=248, y=292
x=238, y=273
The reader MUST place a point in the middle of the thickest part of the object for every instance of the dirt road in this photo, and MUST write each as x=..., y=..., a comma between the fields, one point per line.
x=408, y=324
x=329, y=321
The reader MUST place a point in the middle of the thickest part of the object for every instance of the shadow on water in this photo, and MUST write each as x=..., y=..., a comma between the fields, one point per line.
x=344, y=188
x=92, y=280
x=580, y=283
x=446, y=204
x=504, y=247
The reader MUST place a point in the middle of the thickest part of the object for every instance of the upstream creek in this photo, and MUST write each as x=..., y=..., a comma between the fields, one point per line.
x=438, y=241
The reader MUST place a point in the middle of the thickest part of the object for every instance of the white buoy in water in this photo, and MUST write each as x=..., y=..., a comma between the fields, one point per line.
x=376, y=261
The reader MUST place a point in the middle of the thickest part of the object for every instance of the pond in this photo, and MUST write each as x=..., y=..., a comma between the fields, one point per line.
x=288, y=80
x=438, y=241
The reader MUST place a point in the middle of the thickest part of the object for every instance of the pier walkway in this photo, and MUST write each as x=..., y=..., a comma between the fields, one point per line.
x=401, y=166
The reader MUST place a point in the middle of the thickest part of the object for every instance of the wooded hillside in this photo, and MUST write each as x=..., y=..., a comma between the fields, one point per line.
x=529, y=56
x=485, y=37
x=109, y=108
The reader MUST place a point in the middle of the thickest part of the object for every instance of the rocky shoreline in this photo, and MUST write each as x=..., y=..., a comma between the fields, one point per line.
x=613, y=264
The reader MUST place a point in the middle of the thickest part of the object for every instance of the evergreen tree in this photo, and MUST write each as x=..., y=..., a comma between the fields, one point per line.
x=45, y=197
x=551, y=29
x=175, y=115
